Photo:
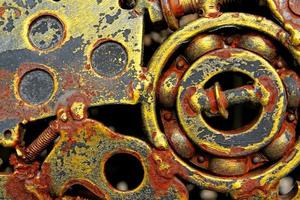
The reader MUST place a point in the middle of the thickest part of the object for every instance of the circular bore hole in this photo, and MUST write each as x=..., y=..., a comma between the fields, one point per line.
x=7, y=134
x=109, y=59
x=46, y=32
x=36, y=86
x=127, y=4
x=240, y=115
x=124, y=171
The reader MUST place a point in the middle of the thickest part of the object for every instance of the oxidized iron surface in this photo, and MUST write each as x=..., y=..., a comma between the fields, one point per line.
x=60, y=58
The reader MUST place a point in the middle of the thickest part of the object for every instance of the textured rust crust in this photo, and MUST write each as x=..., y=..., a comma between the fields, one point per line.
x=59, y=60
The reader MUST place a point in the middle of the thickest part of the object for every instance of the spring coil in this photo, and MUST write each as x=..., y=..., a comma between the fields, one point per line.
x=39, y=144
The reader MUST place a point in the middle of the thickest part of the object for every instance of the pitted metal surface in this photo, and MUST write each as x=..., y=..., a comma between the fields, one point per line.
x=85, y=114
x=36, y=86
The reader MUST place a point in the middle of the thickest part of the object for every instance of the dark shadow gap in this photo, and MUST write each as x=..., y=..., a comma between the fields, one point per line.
x=123, y=119
x=80, y=191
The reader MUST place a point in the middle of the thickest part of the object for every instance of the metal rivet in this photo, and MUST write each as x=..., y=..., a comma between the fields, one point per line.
x=291, y=117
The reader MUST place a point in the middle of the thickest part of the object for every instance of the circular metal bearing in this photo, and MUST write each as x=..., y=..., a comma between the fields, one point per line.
x=236, y=185
x=267, y=90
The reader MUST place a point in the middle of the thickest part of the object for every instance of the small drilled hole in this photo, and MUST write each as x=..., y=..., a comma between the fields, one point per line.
x=7, y=134
x=124, y=171
x=127, y=4
x=201, y=12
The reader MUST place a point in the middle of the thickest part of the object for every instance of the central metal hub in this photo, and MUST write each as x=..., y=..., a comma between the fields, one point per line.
x=193, y=99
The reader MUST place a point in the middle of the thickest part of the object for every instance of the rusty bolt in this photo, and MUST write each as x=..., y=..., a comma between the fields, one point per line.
x=168, y=116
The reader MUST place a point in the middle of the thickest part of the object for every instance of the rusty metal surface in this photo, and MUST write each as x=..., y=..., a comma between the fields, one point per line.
x=218, y=100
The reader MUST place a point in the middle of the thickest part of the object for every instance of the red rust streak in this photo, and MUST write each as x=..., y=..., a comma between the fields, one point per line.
x=162, y=179
x=210, y=93
x=2, y=11
x=131, y=90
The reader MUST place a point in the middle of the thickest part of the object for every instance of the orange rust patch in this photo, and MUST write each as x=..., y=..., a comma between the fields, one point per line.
x=163, y=178
x=186, y=102
x=2, y=11
x=28, y=175
x=272, y=89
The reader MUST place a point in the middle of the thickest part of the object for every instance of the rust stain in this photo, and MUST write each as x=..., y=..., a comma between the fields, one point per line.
x=272, y=89
x=25, y=176
x=162, y=172
x=2, y=11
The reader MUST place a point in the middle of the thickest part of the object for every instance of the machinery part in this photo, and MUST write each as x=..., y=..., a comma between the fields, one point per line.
x=191, y=98
x=31, y=152
x=267, y=90
x=219, y=99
